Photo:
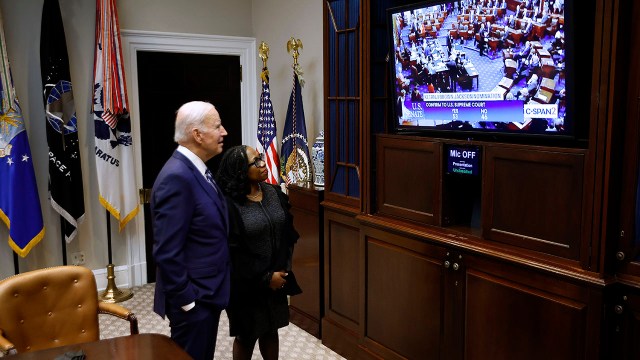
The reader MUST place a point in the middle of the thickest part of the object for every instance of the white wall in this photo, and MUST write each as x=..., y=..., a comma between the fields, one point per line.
x=273, y=21
x=213, y=17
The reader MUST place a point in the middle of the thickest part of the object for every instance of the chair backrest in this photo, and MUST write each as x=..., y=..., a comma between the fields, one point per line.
x=49, y=307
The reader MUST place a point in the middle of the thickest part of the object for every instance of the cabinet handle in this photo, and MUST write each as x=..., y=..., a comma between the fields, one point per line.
x=446, y=264
x=456, y=266
x=618, y=309
x=620, y=255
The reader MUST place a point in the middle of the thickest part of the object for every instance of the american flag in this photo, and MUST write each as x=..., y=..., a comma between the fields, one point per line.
x=267, y=133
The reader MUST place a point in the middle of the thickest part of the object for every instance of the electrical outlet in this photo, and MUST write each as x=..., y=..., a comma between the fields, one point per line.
x=77, y=258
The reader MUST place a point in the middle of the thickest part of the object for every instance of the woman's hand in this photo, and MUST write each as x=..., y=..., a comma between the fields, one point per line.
x=278, y=280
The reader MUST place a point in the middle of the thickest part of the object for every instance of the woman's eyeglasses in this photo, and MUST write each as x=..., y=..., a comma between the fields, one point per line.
x=259, y=161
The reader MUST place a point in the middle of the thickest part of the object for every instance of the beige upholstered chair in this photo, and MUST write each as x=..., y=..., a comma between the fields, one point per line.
x=52, y=307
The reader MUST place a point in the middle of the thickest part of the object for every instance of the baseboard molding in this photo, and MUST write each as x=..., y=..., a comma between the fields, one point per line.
x=339, y=339
x=304, y=321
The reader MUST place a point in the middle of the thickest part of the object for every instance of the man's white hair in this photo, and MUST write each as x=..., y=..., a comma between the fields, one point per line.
x=190, y=116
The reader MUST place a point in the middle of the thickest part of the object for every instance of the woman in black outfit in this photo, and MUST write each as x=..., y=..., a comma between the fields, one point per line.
x=261, y=240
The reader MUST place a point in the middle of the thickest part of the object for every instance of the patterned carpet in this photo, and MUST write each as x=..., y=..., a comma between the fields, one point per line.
x=295, y=343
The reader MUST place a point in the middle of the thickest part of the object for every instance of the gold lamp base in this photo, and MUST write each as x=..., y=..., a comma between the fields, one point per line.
x=112, y=294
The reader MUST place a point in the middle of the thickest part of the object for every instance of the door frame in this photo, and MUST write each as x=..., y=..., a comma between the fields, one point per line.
x=134, y=41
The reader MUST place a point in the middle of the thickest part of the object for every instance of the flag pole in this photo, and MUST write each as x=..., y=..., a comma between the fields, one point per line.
x=293, y=47
x=110, y=109
x=112, y=294
x=16, y=265
x=64, y=241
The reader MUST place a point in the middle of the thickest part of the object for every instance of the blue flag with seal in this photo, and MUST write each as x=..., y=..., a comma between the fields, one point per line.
x=295, y=150
x=65, y=172
x=19, y=202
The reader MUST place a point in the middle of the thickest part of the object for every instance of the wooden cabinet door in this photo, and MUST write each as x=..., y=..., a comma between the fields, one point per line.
x=517, y=313
x=406, y=297
x=627, y=237
x=623, y=326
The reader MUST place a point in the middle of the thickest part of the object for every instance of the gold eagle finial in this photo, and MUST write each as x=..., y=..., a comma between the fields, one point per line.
x=293, y=47
x=263, y=53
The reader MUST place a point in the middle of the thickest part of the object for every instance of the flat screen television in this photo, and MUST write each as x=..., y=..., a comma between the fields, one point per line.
x=490, y=67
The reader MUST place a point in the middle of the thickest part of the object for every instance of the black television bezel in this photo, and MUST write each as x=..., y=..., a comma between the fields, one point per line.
x=578, y=87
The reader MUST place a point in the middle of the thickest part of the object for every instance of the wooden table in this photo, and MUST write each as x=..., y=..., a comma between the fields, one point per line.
x=543, y=53
x=500, y=90
x=473, y=74
x=548, y=67
x=548, y=84
x=493, y=44
x=506, y=83
x=543, y=96
x=139, y=347
x=539, y=29
x=536, y=45
x=515, y=35
x=510, y=67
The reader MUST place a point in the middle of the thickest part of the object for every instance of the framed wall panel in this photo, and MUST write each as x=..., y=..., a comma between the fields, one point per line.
x=532, y=199
x=408, y=179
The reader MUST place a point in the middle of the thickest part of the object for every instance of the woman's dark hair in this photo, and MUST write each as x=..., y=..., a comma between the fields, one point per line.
x=232, y=174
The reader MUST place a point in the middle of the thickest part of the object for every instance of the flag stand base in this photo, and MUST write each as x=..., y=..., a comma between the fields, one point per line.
x=112, y=294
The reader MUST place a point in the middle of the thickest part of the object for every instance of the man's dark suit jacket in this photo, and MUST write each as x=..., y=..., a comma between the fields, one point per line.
x=190, y=227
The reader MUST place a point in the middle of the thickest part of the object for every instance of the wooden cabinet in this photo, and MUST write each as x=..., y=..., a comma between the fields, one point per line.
x=627, y=220
x=623, y=327
x=623, y=300
x=307, y=308
x=530, y=259
x=407, y=298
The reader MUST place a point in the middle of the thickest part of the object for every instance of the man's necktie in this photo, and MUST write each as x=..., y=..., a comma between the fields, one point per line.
x=209, y=176
x=223, y=202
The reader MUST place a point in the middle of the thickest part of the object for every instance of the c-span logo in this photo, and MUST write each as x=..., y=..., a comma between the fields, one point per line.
x=546, y=111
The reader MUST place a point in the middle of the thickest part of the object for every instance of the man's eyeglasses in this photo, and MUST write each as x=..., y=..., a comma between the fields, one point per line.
x=259, y=161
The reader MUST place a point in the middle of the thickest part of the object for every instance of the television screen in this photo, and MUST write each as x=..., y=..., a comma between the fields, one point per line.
x=463, y=160
x=497, y=66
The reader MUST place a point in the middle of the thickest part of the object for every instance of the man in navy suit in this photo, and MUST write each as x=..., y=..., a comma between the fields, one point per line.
x=190, y=228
